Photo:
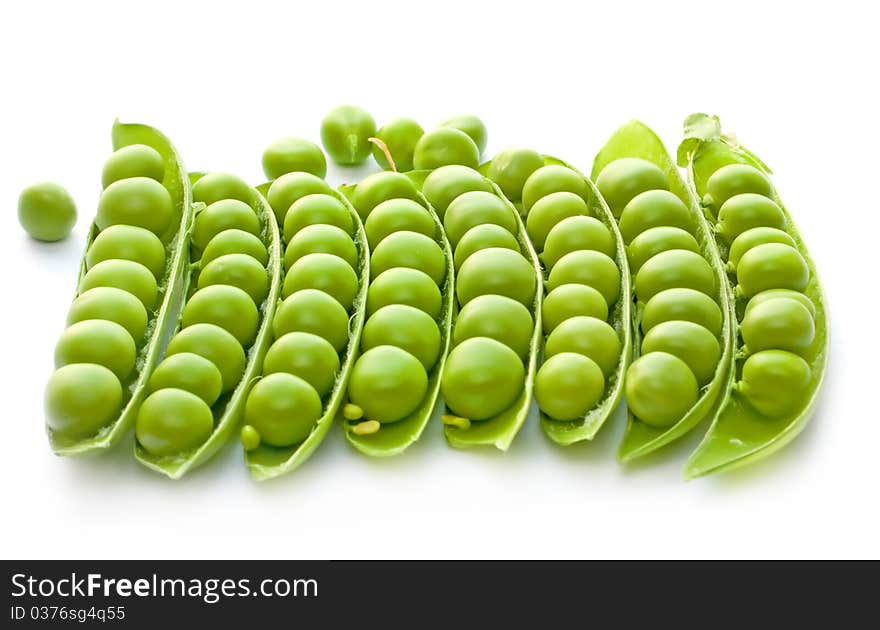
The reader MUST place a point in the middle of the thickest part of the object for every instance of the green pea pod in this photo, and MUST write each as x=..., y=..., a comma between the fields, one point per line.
x=739, y=434
x=636, y=140
x=176, y=240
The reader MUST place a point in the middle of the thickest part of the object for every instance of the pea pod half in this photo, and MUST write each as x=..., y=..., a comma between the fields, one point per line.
x=86, y=409
x=770, y=393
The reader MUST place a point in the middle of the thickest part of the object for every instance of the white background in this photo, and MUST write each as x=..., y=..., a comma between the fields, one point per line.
x=797, y=82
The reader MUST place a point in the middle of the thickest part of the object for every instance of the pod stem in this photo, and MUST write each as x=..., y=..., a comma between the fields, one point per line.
x=384, y=149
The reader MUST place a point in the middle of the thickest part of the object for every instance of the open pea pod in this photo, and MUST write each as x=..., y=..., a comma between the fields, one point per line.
x=176, y=240
x=636, y=140
x=740, y=434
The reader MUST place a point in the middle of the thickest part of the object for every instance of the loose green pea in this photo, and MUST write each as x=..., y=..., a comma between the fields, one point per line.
x=230, y=308
x=574, y=233
x=482, y=378
x=592, y=268
x=409, y=249
x=654, y=208
x=316, y=209
x=313, y=311
x=444, y=146
x=190, y=372
x=307, y=356
x=380, y=187
x=403, y=285
x=46, y=211
x=771, y=266
x=771, y=294
x=683, y=304
x=550, y=179
x=345, y=133
x=172, y=421
x=658, y=239
x=283, y=409
x=571, y=300
x=135, y=160
x=214, y=187
x=287, y=189
x=400, y=137
x=735, y=179
x=588, y=336
x=497, y=317
x=138, y=201
x=482, y=237
x=293, y=155
x=404, y=327
x=126, y=275
x=774, y=382
x=127, y=242
x=396, y=215
x=250, y=438
x=746, y=211
x=446, y=183
x=215, y=344
x=690, y=342
x=97, y=341
x=387, y=383
x=476, y=208
x=674, y=268
x=470, y=125
x=115, y=305
x=568, y=385
x=81, y=399
x=780, y=323
x=324, y=272
x=754, y=237
x=511, y=167
x=321, y=239
x=548, y=211
x=226, y=214
x=623, y=179
x=235, y=242
x=498, y=271
x=659, y=389
x=237, y=270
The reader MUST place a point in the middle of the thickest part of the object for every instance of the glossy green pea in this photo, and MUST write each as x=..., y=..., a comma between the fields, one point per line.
x=548, y=211
x=746, y=211
x=735, y=179
x=324, y=272
x=135, y=160
x=235, y=242
x=780, y=323
x=46, y=211
x=214, y=187
x=499, y=271
x=115, y=305
x=482, y=237
x=97, y=341
x=321, y=239
x=283, y=409
x=550, y=179
x=305, y=355
x=690, y=342
x=482, y=378
x=682, y=304
x=654, y=208
x=497, y=317
x=138, y=201
x=316, y=209
x=448, y=182
x=126, y=275
x=754, y=237
x=215, y=344
x=409, y=249
x=625, y=178
x=250, y=438
x=237, y=270
x=444, y=146
x=588, y=336
x=476, y=208
x=568, y=385
x=674, y=268
x=771, y=294
x=82, y=398
x=403, y=285
x=226, y=214
x=574, y=233
x=293, y=155
x=592, y=268
x=379, y=187
x=571, y=300
x=313, y=311
x=190, y=372
x=387, y=383
x=345, y=133
x=397, y=215
x=660, y=388
x=172, y=421
x=511, y=167
x=771, y=266
x=774, y=382
x=400, y=137
x=404, y=327
x=658, y=239
x=228, y=307
x=470, y=125
x=128, y=242
x=287, y=189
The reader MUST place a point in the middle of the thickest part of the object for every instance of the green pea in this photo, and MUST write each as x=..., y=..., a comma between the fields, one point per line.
x=548, y=211
x=126, y=275
x=283, y=409
x=321, y=239
x=400, y=137
x=404, y=327
x=771, y=294
x=774, y=382
x=446, y=183
x=623, y=179
x=659, y=389
x=305, y=355
x=190, y=372
x=771, y=266
x=588, y=336
x=470, y=125
x=482, y=378
x=674, y=268
x=592, y=268
x=409, y=249
x=380, y=187
x=396, y=215
x=250, y=438
x=46, y=211
x=753, y=237
x=226, y=214
x=228, y=307
x=511, y=167
x=235, y=242
x=312, y=311
x=403, y=285
x=138, y=201
x=215, y=344
x=498, y=271
x=658, y=239
x=214, y=187
x=683, y=304
x=293, y=155
x=81, y=399
x=316, y=209
x=237, y=270
x=324, y=272
x=550, y=179
x=568, y=385
x=444, y=146
x=127, y=242
x=345, y=133
x=735, y=179
x=387, y=383
x=654, y=208
x=476, y=208
x=135, y=160
x=690, y=342
x=746, y=211
x=497, y=317
x=172, y=421
x=115, y=305
x=574, y=233
x=571, y=300
x=480, y=237
x=287, y=189
x=97, y=341
x=780, y=323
